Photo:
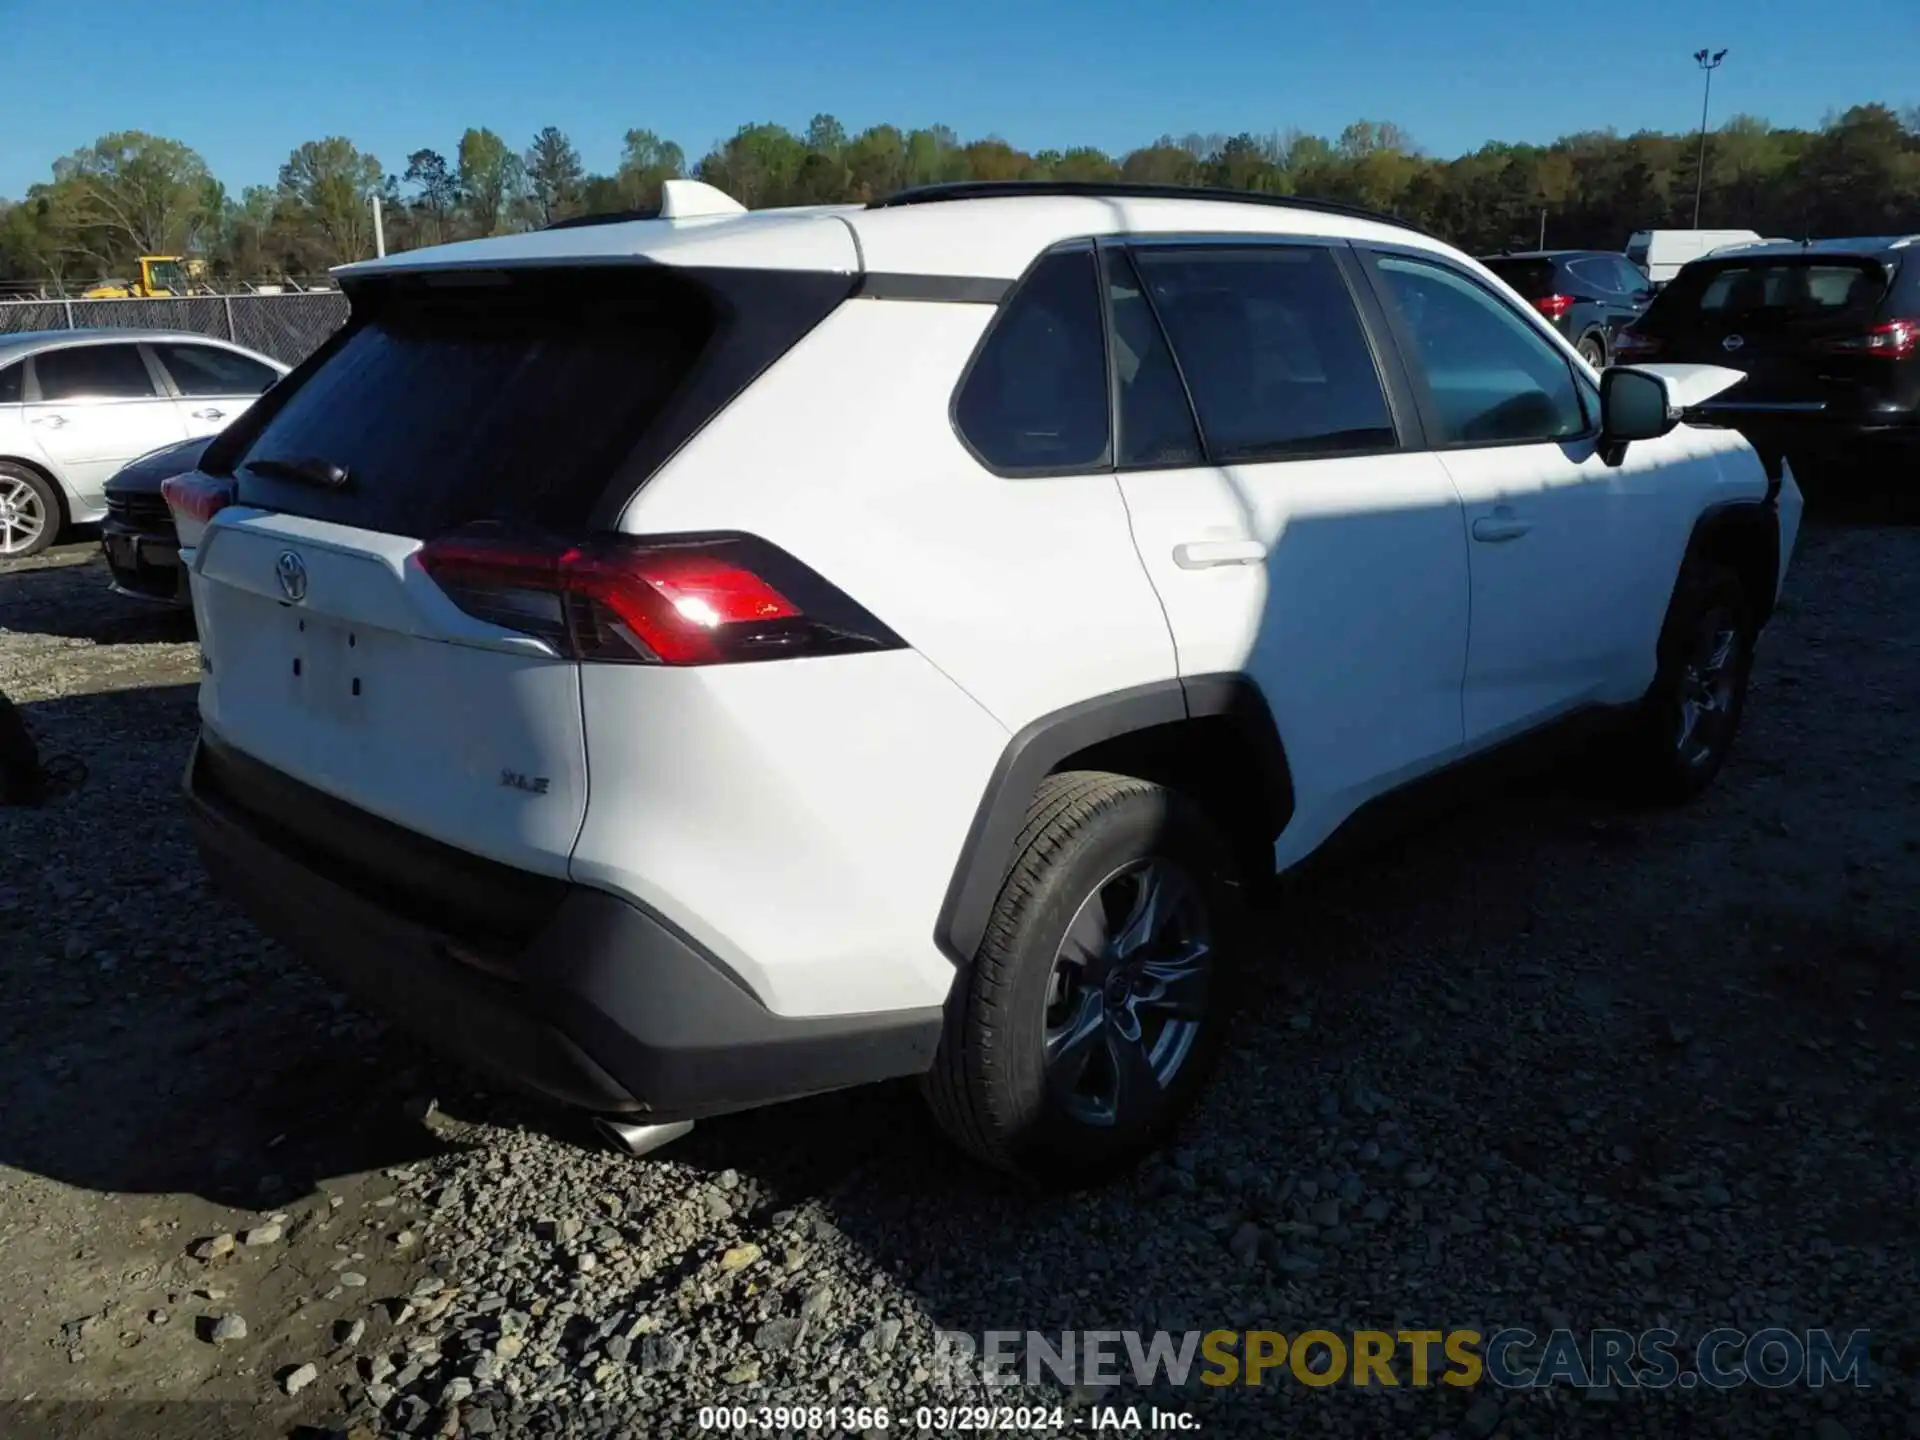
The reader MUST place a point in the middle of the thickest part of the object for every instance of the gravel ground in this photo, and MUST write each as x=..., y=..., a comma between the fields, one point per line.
x=1546, y=1064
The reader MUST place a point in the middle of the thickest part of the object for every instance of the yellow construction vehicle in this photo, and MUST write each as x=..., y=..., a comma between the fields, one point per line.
x=159, y=275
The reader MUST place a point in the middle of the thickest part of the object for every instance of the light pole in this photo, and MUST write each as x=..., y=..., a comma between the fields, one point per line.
x=1709, y=62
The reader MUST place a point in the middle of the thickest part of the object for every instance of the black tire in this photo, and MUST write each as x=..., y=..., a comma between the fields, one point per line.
x=1593, y=350
x=43, y=492
x=1662, y=761
x=990, y=1088
x=22, y=782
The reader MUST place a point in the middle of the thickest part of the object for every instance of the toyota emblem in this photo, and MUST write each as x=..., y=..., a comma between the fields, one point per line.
x=1732, y=342
x=291, y=571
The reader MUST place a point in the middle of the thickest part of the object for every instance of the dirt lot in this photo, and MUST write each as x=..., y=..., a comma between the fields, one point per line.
x=1548, y=1064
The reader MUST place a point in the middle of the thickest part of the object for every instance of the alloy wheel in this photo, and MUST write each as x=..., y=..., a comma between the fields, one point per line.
x=23, y=515
x=1709, y=686
x=1128, y=992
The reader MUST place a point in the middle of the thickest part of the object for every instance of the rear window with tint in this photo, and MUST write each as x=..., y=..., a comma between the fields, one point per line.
x=519, y=399
x=1758, y=292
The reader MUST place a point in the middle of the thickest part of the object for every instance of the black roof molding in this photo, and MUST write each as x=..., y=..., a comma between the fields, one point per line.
x=610, y=217
x=1126, y=190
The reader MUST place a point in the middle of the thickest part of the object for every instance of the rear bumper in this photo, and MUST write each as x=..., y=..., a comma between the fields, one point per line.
x=567, y=991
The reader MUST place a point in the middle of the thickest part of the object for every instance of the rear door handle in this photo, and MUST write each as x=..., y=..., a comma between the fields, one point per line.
x=1201, y=554
x=1495, y=528
x=209, y=414
x=53, y=422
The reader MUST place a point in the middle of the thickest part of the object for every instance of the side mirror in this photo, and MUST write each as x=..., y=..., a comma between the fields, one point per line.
x=1634, y=405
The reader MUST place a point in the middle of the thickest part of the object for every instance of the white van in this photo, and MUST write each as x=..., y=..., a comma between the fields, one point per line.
x=1661, y=253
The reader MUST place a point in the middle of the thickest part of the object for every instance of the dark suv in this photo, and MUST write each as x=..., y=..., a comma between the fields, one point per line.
x=1828, y=332
x=1588, y=294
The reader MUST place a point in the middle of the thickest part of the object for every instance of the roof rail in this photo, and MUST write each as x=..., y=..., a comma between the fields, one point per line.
x=1126, y=190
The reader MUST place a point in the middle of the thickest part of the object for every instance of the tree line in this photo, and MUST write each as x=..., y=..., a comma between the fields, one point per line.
x=130, y=194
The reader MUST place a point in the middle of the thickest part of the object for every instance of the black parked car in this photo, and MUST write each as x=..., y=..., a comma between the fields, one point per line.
x=1588, y=294
x=143, y=552
x=1828, y=332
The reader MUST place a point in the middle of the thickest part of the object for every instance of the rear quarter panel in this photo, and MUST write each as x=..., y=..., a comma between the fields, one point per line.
x=798, y=818
x=803, y=818
x=1028, y=593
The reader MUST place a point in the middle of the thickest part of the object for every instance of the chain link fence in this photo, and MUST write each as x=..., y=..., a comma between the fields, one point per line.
x=287, y=327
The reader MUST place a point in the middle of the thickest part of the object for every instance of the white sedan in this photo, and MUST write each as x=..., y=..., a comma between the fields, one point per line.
x=76, y=405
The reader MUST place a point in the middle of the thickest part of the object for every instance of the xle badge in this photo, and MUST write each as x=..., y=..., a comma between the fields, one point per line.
x=532, y=784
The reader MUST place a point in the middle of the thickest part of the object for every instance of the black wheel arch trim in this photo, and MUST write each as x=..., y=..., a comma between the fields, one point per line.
x=1752, y=526
x=1039, y=747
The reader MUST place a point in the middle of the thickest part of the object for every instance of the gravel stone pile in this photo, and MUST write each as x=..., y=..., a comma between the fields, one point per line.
x=1549, y=1064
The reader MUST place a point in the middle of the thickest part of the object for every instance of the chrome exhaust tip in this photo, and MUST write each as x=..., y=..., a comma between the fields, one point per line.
x=639, y=1140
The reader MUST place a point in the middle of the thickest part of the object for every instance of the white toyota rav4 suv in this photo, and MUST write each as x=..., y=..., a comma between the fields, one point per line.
x=689, y=662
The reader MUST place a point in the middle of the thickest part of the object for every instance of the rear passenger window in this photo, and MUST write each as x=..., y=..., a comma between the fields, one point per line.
x=1600, y=275
x=12, y=392
x=1494, y=379
x=1272, y=350
x=1035, y=399
x=1156, y=422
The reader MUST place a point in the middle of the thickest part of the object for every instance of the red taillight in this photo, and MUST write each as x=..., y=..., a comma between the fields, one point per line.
x=1554, y=306
x=1895, y=340
x=198, y=497
x=662, y=600
x=1630, y=345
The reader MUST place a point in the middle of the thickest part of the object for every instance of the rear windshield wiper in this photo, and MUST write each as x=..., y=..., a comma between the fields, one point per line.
x=309, y=470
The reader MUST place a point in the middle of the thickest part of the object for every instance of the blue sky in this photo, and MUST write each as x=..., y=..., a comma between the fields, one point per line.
x=244, y=83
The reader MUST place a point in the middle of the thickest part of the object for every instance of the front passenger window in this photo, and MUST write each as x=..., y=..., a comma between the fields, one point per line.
x=1494, y=379
x=205, y=370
